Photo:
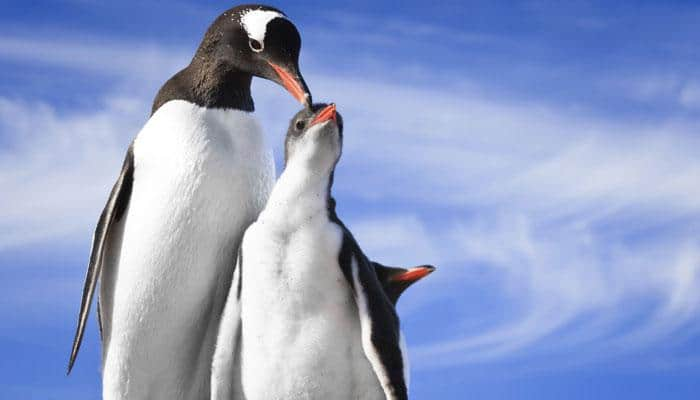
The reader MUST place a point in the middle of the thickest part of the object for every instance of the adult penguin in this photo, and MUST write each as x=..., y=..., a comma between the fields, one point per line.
x=307, y=316
x=194, y=178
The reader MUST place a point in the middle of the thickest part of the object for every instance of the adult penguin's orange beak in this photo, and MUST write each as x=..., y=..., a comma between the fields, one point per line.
x=294, y=83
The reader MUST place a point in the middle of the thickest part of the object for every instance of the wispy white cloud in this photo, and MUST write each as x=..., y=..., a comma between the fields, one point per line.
x=690, y=95
x=128, y=60
x=568, y=288
x=679, y=90
x=388, y=237
x=57, y=168
x=561, y=208
x=457, y=149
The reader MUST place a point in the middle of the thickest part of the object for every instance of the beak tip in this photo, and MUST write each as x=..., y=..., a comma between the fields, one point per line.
x=415, y=274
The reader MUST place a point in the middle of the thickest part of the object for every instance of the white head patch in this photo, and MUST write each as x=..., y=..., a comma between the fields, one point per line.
x=255, y=22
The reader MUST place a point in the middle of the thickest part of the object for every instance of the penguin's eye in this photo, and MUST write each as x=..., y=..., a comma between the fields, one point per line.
x=255, y=45
x=300, y=124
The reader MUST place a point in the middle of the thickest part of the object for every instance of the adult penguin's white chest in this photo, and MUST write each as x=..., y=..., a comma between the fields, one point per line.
x=201, y=176
x=300, y=331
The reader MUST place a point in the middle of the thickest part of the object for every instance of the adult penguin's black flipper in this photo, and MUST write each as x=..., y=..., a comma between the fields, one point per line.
x=113, y=212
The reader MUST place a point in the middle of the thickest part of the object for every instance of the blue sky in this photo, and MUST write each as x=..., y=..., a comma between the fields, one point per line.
x=545, y=157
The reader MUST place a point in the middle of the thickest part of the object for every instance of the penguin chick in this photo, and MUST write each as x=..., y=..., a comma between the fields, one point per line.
x=307, y=316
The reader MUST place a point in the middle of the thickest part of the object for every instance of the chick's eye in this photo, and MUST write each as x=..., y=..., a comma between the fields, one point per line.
x=300, y=124
x=255, y=45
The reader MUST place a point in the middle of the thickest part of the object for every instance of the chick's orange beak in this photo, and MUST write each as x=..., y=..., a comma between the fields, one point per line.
x=327, y=114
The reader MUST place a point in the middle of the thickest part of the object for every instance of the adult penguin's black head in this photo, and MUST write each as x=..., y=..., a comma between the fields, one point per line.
x=257, y=40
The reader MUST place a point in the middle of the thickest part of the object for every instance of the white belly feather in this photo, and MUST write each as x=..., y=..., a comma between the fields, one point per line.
x=300, y=336
x=201, y=176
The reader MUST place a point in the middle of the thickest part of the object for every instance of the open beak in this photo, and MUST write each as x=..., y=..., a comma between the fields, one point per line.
x=414, y=274
x=294, y=83
x=327, y=114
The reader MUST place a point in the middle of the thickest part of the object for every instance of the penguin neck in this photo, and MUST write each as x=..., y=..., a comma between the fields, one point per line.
x=208, y=83
x=300, y=194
